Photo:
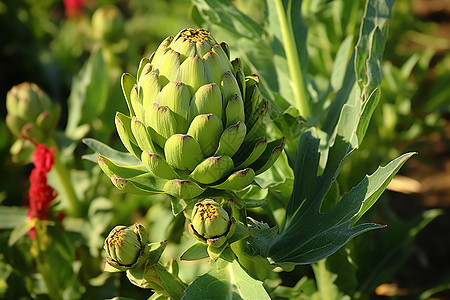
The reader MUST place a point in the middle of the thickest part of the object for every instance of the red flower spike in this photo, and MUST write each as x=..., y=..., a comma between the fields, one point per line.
x=43, y=158
x=32, y=233
x=73, y=7
x=40, y=194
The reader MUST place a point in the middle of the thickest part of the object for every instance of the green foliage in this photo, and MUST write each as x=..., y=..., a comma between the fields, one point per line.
x=225, y=280
x=89, y=94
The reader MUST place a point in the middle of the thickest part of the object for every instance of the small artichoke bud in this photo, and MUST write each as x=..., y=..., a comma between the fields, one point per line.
x=108, y=23
x=31, y=113
x=210, y=223
x=124, y=245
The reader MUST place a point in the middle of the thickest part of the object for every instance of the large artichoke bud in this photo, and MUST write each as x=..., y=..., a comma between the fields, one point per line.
x=195, y=121
x=31, y=113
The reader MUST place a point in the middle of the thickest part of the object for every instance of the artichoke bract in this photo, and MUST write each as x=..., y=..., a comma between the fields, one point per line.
x=194, y=123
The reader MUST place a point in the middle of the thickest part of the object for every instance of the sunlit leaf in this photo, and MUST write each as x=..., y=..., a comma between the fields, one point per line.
x=88, y=94
x=225, y=280
x=120, y=158
x=12, y=216
x=317, y=236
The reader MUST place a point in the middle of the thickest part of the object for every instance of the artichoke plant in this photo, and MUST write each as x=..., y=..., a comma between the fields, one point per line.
x=194, y=123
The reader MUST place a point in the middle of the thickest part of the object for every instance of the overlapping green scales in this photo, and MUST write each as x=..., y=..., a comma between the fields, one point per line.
x=195, y=120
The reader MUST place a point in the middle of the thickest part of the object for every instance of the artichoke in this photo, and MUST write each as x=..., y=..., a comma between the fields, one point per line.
x=194, y=124
x=124, y=245
x=107, y=24
x=211, y=224
x=31, y=113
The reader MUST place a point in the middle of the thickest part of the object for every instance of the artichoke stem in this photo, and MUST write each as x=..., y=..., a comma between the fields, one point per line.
x=172, y=284
x=49, y=279
x=67, y=190
x=302, y=100
x=44, y=268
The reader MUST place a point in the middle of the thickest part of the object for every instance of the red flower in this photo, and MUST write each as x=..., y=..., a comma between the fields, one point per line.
x=32, y=233
x=73, y=7
x=40, y=194
x=43, y=158
x=37, y=178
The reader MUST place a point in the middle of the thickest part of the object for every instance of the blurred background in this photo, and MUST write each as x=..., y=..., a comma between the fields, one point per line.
x=54, y=43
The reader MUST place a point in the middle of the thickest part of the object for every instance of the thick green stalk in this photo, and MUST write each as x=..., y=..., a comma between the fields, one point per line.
x=171, y=283
x=323, y=279
x=295, y=69
x=351, y=25
x=49, y=279
x=48, y=275
x=66, y=185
